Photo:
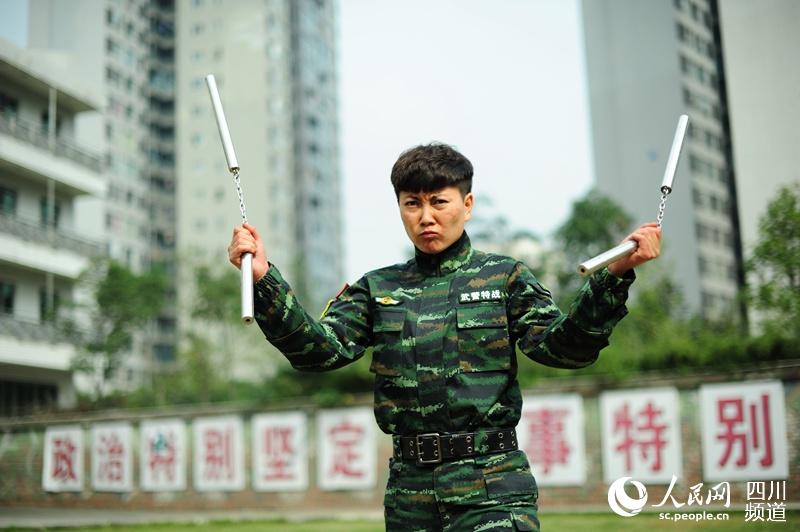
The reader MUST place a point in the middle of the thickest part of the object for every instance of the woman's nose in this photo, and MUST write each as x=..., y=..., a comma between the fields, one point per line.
x=426, y=215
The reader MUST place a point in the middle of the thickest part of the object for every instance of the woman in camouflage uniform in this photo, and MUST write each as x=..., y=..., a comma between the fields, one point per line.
x=446, y=330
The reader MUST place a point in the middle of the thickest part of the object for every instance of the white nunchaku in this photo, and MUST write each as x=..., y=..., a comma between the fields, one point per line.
x=233, y=168
x=629, y=246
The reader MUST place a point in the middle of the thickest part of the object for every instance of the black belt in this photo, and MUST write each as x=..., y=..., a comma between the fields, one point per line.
x=434, y=448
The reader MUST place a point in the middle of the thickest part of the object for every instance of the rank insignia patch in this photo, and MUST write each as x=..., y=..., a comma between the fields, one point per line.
x=387, y=301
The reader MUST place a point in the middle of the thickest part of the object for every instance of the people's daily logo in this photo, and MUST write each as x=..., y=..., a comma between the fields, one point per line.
x=621, y=503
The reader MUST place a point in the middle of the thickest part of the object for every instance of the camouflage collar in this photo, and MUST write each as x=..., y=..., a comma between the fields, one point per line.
x=449, y=260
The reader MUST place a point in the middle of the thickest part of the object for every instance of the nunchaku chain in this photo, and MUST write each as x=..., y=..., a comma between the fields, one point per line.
x=662, y=205
x=241, y=195
x=629, y=246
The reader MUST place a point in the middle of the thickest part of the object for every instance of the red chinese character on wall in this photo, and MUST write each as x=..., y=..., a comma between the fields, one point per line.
x=640, y=432
x=547, y=444
x=162, y=456
x=278, y=452
x=218, y=455
x=111, y=454
x=63, y=459
x=346, y=439
x=746, y=427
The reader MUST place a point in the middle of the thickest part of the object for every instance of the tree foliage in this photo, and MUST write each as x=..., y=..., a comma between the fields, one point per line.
x=217, y=295
x=116, y=303
x=594, y=225
x=775, y=264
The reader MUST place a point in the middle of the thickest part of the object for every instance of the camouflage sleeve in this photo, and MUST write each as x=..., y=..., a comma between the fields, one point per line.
x=543, y=333
x=338, y=338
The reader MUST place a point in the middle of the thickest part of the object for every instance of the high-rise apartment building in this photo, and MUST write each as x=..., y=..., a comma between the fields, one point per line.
x=168, y=186
x=759, y=41
x=275, y=65
x=648, y=63
x=44, y=173
x=125, y=51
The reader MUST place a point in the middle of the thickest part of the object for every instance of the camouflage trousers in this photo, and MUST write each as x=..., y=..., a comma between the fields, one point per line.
x=492, y=492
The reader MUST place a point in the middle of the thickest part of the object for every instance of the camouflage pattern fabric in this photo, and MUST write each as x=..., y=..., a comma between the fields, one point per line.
x=445, y=333
x=491, y=492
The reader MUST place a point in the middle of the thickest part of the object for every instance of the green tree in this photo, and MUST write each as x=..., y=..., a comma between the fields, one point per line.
x=594, y=225
x=117, y=303
x=217, y=303
x=775, y=264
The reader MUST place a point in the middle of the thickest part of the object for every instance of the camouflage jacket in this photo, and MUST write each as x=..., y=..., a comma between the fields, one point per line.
x=445, y=333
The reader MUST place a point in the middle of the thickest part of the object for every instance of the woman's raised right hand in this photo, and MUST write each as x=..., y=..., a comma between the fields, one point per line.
x=246, y=240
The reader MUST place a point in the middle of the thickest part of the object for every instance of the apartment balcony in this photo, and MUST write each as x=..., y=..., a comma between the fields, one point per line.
x=160, y=118
x=33, y=344
x=31, y=245
x=26, y=149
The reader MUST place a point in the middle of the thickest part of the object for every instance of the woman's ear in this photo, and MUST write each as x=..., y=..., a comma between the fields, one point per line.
x=469, y=200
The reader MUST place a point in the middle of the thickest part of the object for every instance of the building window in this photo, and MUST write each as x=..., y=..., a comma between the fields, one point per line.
x=8, y=201
x=697, y=198
x=6, y=297
x=44, y=120
x=701, y=231
x=45, y=312
x=44, y=213
x=8, y=105
x=164, y=352
x=18, y=398
x=112, y=76
x=702, y=264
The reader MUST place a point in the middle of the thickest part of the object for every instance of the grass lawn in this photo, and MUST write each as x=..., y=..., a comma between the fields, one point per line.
x=555, y=522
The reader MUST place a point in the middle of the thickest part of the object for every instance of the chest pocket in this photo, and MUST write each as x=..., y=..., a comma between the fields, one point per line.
x=387, y=348
x=483, y=342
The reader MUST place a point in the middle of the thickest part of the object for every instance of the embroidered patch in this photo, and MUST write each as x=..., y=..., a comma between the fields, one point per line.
x=480, y=295
x=386, y=301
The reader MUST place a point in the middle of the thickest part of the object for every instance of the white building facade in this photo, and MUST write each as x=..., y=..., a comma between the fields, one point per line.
x=44, y=174
x=125, y=52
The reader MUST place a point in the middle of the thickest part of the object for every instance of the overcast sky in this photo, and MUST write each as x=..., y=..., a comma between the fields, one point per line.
x=503, y=81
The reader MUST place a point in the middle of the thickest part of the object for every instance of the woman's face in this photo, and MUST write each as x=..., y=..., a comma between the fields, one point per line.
x=434, y=220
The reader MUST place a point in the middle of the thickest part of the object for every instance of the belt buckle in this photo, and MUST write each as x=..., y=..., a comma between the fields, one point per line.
x=437, y=451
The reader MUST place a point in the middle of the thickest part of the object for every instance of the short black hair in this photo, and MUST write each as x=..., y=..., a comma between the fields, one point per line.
x=429, y=167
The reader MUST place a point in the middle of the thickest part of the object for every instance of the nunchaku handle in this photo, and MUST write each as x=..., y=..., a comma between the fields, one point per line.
x=247, y=288
x=607, y=257
x=602, y=260
x=222, y=124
